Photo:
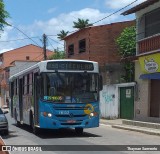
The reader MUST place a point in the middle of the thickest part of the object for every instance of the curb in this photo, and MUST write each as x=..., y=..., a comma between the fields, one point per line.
x=138, y=129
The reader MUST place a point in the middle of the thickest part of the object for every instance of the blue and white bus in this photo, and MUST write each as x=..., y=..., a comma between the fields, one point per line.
x=57, y=94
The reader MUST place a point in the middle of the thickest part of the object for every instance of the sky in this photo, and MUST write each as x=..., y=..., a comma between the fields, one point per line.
x=33, y=18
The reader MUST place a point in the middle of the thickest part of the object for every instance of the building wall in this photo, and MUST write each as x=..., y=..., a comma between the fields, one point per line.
x=143, y=101
x=143, y=95
x=108, y=103
x=35, y=53
x=100, y=42
x=147, y=9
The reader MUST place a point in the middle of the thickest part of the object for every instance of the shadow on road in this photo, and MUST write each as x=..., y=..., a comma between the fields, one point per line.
x=10, y=135
x=64, y=133
x=60, y=133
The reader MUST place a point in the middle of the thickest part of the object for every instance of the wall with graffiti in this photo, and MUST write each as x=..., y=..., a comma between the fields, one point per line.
x=108, y=102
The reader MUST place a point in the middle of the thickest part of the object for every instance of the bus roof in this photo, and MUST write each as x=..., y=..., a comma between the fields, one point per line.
x=42, y=67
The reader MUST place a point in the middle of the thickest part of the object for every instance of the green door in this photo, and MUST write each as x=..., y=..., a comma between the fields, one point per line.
x=127, y=102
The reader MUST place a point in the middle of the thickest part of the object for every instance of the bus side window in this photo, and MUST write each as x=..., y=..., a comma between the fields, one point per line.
x=31, y=84
x=15, y=87
x=28, y=84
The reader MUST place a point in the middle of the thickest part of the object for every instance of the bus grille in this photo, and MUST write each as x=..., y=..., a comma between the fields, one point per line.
x=68, y=116
x=69, y=108
x=78, y=123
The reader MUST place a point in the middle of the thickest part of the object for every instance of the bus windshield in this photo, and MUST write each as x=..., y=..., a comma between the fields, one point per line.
x=70, y=87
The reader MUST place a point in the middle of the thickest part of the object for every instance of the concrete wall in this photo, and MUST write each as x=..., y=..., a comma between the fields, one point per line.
x=110, y=100
x=143, y=95
x=108, y=103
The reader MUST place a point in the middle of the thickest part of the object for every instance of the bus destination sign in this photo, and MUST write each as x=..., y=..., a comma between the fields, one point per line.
x=70, y=66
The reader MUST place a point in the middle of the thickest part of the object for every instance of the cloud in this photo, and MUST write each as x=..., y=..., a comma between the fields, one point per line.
x=4, y=37
x=116, y=4
x=65, y=21
x=51, y=10
x=53, y=26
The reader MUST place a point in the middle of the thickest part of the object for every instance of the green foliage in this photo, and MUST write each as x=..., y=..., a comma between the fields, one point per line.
x=81, y=23
x=127, y=47
x=127, y=42
x=3, y=15
x=57, y=55
x=62, y=34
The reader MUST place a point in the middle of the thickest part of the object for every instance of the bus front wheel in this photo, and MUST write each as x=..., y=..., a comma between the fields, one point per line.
x=79, y=131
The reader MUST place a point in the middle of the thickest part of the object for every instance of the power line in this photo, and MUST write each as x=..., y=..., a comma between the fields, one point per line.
x=55, y=41
x=69, y=32
x=106, y=16
x=50, y=44
x=115, y=12
x=18, y=39
x=26, y=35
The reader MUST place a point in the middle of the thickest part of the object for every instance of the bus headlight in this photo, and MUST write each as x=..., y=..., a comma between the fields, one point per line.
x=46, y=114
x=49, y=114
x=92, y=114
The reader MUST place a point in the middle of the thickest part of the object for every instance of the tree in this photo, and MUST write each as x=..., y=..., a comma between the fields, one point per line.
x=81, y=23
x=62, y=34
x=3, y=15
x=57, y=55
x=127, y=48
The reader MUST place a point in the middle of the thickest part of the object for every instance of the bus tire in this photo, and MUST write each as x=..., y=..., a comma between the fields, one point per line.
x=35, y=130
x=79, y=131
x=18, y=124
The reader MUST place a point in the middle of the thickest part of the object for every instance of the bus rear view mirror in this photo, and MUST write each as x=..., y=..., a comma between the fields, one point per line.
x=100, y=83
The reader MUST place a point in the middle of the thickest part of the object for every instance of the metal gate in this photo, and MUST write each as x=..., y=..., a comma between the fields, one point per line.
x=127, y=102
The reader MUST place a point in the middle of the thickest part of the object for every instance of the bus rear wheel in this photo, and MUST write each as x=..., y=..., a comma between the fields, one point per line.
x=79, y=131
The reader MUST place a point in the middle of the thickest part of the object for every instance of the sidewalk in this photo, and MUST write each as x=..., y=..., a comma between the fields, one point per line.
x=111, y=122
x=138, y=126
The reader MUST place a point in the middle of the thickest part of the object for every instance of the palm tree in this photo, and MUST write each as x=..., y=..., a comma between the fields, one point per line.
x=81, y=23
x=62, y=34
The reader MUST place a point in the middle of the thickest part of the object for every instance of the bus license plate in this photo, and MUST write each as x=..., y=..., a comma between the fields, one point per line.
x=71, y=121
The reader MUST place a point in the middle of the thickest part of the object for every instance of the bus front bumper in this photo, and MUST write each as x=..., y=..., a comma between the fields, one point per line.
x=49, y=123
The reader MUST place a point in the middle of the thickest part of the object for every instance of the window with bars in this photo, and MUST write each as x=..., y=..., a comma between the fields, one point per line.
x=152, y=23
x=71, y=49
x=82, y=45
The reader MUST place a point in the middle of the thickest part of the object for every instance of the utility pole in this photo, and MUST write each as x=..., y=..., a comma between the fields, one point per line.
x=44, y=46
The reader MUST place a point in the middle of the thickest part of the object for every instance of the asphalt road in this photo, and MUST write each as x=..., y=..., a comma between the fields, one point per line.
x=104, y=135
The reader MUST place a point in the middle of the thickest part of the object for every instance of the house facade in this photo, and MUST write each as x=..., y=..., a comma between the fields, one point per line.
x=97, y=43
x=29, y=53
x=147, y=67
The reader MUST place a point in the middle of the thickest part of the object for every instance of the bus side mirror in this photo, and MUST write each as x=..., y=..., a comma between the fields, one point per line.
x=100, y=83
